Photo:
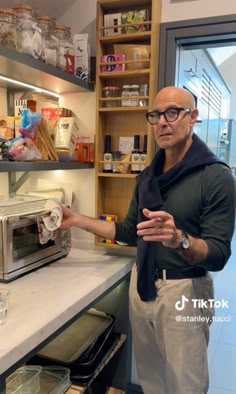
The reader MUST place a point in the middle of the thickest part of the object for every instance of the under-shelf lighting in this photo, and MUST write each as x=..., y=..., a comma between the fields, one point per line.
x=26, y=85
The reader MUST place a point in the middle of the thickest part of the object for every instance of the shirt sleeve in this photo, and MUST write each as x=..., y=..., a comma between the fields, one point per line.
x=217, y=219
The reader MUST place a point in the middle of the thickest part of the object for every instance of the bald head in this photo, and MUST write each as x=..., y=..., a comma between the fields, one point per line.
x=172, y=95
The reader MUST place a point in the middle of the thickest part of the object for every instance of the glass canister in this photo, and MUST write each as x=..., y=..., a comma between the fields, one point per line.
x=66, y=50
x=28, y=32
x=49, y=55
x=111, y=92
x=8, y=34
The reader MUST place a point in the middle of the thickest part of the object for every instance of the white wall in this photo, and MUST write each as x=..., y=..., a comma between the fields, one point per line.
x=192, y=9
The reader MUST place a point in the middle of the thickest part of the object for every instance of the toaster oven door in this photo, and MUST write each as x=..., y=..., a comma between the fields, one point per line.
x=24, y=246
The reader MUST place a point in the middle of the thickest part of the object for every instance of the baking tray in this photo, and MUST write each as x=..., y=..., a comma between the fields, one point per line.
x=73, y=341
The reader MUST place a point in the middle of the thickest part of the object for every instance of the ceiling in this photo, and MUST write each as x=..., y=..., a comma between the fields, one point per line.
x=220, y=55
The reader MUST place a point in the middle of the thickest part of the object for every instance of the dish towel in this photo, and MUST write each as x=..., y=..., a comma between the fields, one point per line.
x=53, y=220
x=50, y=222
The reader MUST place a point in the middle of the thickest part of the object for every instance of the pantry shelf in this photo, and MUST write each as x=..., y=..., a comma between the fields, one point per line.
x=26, y=69
x=18, y=166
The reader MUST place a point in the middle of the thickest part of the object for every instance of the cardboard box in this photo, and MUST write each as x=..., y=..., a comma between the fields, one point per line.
x=52, y=116
x=6, y=127
x=85, y=151
x=112, y=20
x=20, y=105
x=82, y=56
x=113, y=58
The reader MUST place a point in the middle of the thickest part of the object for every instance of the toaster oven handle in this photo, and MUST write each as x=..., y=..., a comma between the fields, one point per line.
x=32, y=215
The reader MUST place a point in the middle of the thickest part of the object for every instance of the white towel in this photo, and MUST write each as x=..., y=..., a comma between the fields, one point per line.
x=53, y=220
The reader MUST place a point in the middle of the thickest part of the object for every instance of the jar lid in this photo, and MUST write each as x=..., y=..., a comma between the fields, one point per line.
x=22, y=7
x=135, y=86
x=7, y=12
x=126, y=86
x=44, y=19
x=60, y=28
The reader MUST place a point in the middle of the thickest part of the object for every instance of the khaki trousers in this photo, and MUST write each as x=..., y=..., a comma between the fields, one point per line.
x=171, y=355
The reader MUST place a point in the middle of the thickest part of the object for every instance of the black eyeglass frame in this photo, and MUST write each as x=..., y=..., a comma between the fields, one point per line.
x=159, y=113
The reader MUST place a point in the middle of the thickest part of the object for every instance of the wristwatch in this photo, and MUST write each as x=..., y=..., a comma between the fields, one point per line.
x=184, y=241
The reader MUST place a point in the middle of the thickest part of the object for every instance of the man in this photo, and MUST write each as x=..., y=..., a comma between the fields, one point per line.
x=182, y=218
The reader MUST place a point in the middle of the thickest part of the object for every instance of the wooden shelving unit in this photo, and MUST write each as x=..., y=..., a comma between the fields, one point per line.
x=114, y=191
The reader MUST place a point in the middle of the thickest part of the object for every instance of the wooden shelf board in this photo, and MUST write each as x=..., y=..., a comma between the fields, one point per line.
x=126, y=73
x=140, y=36
x=111, y=175
x=123, y=109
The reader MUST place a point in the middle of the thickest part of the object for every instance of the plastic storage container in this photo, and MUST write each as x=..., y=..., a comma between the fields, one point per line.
x=8, y=34
x=24, y=380
x=29, y=35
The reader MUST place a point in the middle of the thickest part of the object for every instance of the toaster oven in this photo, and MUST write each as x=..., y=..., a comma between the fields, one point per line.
x=21, y=248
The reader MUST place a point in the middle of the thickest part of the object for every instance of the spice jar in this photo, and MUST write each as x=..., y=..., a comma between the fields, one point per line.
x=8, y=35
x=66, y=50
x=134, y=93
x=125, y=102
x=110, y=92
x=28, y=33
x=49, y=55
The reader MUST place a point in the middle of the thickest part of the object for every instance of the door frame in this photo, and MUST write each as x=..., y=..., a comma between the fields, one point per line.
x=212, y=31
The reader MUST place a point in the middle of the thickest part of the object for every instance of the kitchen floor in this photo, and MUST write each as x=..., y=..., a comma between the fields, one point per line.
x=222, y=346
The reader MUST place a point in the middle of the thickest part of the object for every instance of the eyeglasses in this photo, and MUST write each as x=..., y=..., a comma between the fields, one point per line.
x=170, y=115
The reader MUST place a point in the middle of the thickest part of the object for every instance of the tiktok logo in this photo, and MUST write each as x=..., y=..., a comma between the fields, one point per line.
x=181, y=303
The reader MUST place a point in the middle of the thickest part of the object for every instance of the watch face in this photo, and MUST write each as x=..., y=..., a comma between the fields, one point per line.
x=185, y=243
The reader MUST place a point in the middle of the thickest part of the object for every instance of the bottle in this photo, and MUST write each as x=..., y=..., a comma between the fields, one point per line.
x=135, y=156
x=107, y=155
x=143, y=155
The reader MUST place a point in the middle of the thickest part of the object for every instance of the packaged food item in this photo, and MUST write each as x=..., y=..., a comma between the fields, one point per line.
x=82, y=56
x=6, y=127
x=66, y=134
x=139, y=53
x=113, y=21
x=113, y=58
x=133, y=17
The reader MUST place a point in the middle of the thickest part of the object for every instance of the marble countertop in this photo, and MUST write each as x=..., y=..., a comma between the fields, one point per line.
x=42, y=301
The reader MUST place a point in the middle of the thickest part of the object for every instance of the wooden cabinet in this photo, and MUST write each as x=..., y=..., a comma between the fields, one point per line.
x=114, y=190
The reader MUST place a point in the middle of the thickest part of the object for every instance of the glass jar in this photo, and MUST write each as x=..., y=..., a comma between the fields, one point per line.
x=111, y=92
x=29, y=35
x=49, y=55
x=66, y=50
x=8, y=34
x=134, y=93
x=125, y=100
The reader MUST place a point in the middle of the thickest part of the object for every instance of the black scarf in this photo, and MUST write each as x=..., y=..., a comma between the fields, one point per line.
x=150, y=190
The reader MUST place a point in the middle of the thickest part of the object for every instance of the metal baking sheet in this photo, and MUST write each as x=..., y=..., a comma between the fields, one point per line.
x=74, y=340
